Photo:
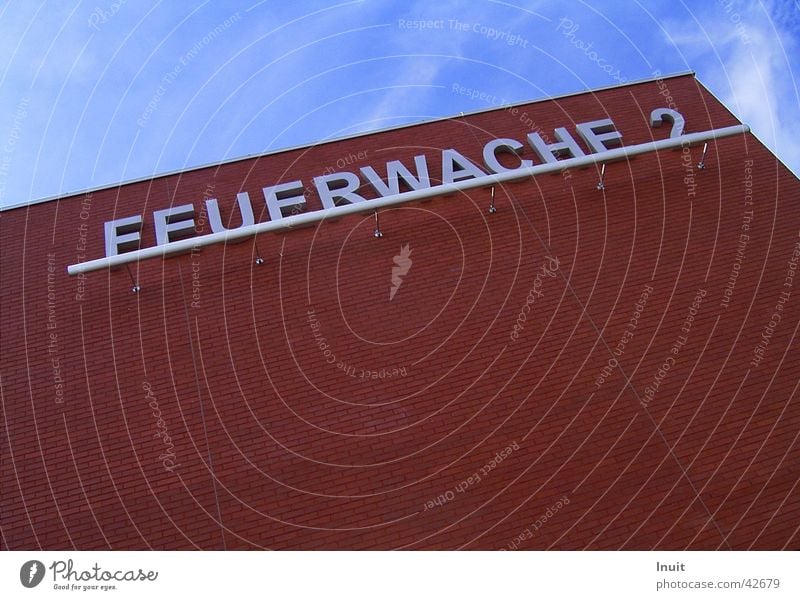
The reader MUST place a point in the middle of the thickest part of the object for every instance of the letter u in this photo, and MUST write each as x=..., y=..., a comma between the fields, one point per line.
x=245, y=208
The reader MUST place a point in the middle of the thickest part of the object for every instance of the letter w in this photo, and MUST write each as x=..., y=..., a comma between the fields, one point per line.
x=395, y=170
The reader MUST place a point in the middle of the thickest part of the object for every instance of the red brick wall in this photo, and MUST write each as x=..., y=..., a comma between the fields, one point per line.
x=272, y=447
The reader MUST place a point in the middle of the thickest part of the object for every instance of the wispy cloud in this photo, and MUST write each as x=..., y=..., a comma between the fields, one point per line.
x=296, y=72
x=406, y=97
x=742, y=52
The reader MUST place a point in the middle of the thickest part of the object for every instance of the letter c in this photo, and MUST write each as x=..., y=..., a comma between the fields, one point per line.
x=506, y=145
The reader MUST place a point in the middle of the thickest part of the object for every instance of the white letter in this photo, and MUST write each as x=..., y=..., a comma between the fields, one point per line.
x=346, y=192
x=466, y=169
x=214, y=219
x=549, y=153
x=169, y=225
x=123, y=235
x=507, y=145
x=286, y=195
x=395, y=170
x=599, y=135
x=658, y=115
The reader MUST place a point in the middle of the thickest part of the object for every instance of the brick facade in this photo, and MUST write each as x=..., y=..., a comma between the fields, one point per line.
x=203, y=412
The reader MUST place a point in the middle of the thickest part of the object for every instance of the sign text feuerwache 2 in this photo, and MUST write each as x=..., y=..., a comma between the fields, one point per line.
x=342, y=193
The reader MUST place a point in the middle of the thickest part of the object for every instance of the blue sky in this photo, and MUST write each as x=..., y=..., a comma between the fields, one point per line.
x=110, y=90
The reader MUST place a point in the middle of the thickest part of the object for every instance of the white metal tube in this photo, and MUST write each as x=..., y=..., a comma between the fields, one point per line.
x=337, y=212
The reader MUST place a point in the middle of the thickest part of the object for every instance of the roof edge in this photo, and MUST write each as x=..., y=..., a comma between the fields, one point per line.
x=336, y=139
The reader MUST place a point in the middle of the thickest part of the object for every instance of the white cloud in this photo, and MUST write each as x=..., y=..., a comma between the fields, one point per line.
x=416, y=78
x=743, y=56
x=762, y=96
